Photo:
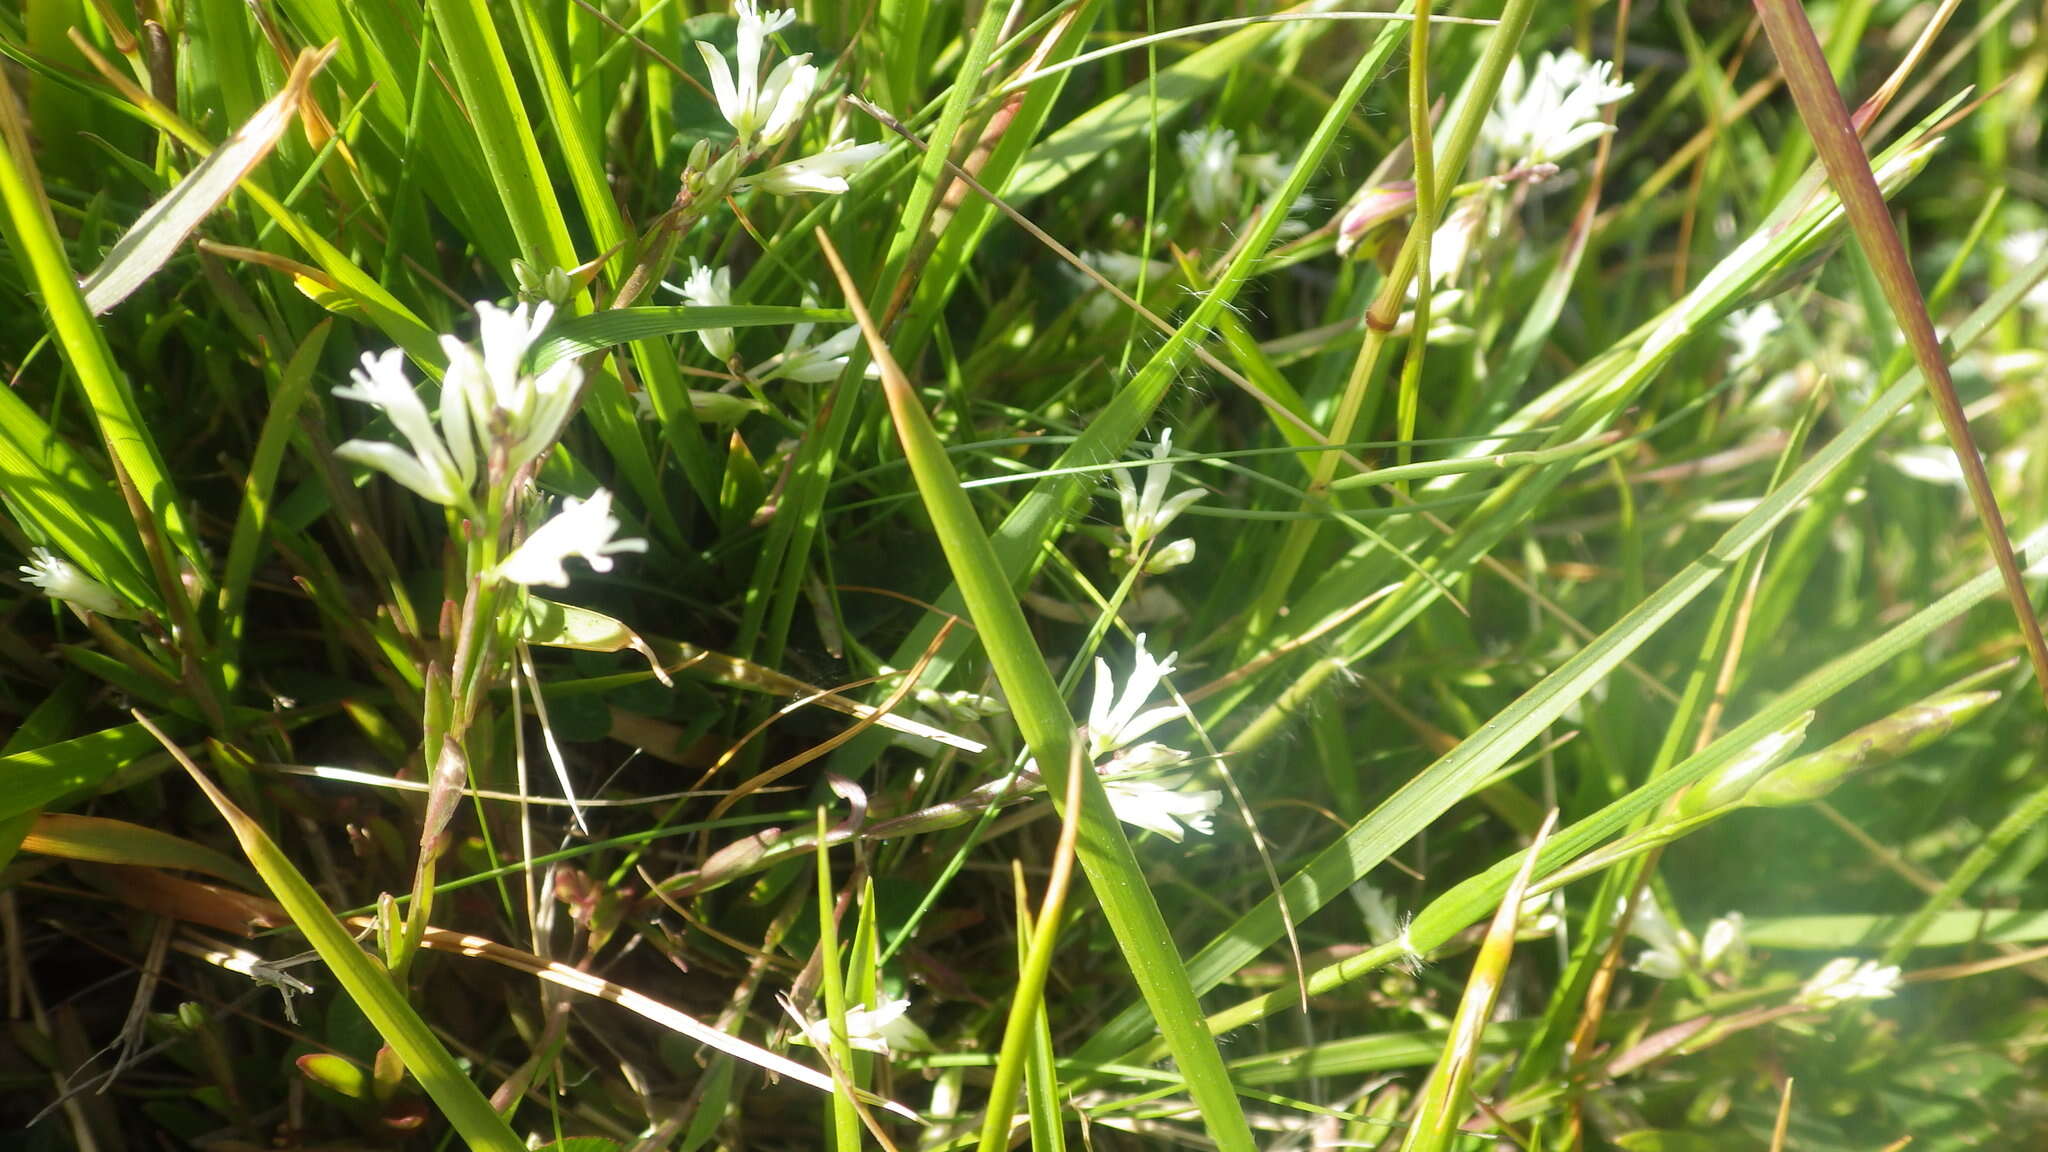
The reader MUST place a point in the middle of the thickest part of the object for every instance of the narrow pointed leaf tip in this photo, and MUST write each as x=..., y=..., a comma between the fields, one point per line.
x=159, y=232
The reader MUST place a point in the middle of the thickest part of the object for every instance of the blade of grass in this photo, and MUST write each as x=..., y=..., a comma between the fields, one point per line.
x=159, y=232
x=1812, y=84
x=1027, y=1005
x=1041, y=714
x=1442, y=1103
x=1419, y=802
x=365, y=981
x=38, y=248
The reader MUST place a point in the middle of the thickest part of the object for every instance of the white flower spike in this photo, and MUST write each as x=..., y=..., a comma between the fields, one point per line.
x=760, y=113
x=583, y=528
x=1148, y=511
x=708, y=287
x=824, y=172
x=1210, y=155
x=439, y=469
x=1544, y=118
x=60, y=579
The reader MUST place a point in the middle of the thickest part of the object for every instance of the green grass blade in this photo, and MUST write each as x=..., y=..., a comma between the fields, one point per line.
x=1041, y=714
x=365, y=980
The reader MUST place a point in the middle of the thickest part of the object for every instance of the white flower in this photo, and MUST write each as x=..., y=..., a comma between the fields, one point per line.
x=1118, y=720
x=1210, y=155
x=1158, y=805
x=1451, y=244
x=440, y=469
x=1725, y=944
x=880, y=1030
x=2021, y=249
x=1168, y=557
x=1669, y=945
x=1749, y=330
x=583, y=528
x=1149, y=511
x=1658, y=964
x=823, y=172
x=1845, y=978
x=1143, y=791
x=812, y=363
x=1929, y=464
x=60, y=579
x=761, y=113
x=707, y=287
x=1553, y=114
x=508, y=403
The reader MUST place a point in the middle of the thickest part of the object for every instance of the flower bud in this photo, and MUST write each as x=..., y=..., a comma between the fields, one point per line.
x=1811, y=777
x=1374, y=206
x=1730, y=783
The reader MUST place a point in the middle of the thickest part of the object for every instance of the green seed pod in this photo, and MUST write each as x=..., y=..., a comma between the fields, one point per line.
x=1811, y=777
x=1729, y=783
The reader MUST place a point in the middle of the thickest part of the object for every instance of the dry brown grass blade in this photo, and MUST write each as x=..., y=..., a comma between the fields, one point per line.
x=1841, y=152
x=577, y=980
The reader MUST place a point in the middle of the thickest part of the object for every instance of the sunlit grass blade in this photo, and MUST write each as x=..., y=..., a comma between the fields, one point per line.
x=1416, y=804
x=159, y=233
x=1442, y=1104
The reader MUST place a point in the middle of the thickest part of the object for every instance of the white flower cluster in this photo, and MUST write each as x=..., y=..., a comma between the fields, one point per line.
x=496, y=419
x=763, y=111
x=1541, y=119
